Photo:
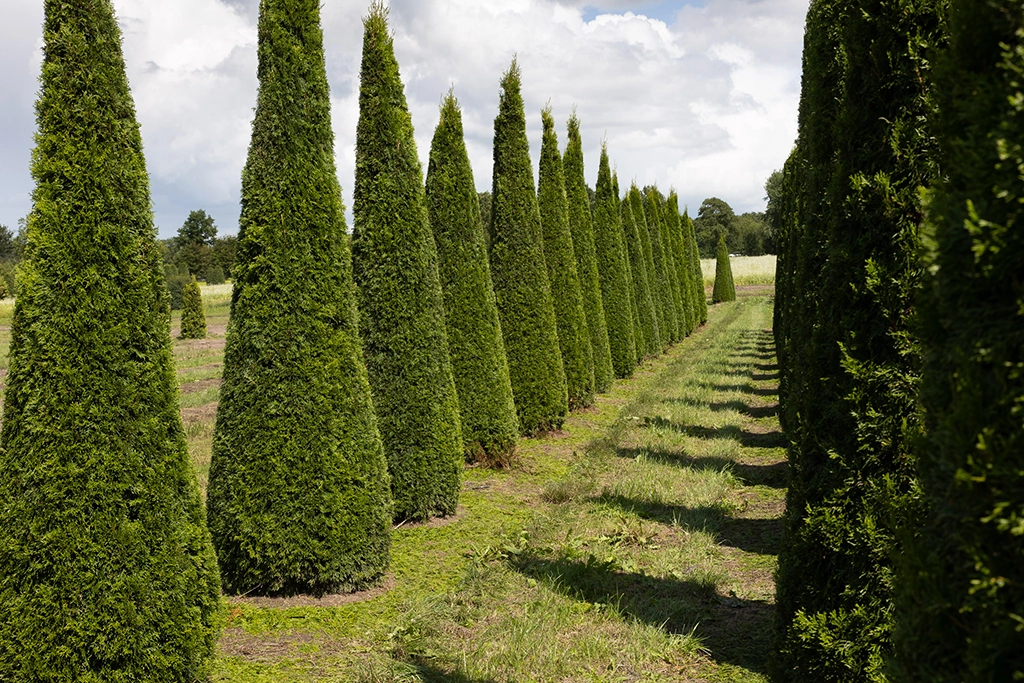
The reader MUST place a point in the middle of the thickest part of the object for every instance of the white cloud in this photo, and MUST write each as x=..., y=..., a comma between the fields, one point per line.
x=706, y=103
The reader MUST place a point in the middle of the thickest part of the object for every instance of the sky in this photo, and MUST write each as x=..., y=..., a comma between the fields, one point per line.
x=696, y=95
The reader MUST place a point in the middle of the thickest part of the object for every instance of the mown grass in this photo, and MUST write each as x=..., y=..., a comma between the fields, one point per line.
x=746, y=270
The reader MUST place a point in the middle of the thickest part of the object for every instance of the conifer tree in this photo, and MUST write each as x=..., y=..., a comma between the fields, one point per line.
x=489, y=423
x=961, y=583
x=653, y=276
x=700, y=310
x=193, y=320
x=681, y=262
x=646, y=314
x=298, y=498
x=581, y=225
x=520, y=276
x=106, y=567
x=724, y=290
x=560, y=256
x=613, y=273
x=654, y=210
x=401, y=310
x=638, y=331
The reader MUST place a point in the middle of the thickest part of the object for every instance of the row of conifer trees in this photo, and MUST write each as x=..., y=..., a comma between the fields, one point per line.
x=900, y=335
x=358, y=373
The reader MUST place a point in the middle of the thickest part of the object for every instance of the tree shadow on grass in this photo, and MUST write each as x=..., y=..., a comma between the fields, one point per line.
x=754, y=411
x=758, y=536
x=678, y=606
x=775, y=475
x=429, y=674
x=747, y=439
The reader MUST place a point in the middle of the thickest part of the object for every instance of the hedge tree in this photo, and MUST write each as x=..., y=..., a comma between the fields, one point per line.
x=647, y=318
x=961, y=591
x=641, y=343
x=106, y=567
x=681, y=262
x=635, y=200
x=489, y=423
x=560, y=257
x=613, y=276
x=193, y=320
x=666, y=300
x=401, y=308
x=700, y=311
x=299, y=498
x=581, y=225
x=724, y=289
x=520, y=275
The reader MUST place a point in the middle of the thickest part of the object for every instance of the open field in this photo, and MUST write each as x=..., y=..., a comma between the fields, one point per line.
x=746, y=270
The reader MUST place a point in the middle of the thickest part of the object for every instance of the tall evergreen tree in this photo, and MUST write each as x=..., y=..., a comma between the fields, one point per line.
x=489, y=423
x=646, y=314
x=961, y=588
x=851, y=450
x=613, y=273
x=520, y=276
x=654, y=209
x=193, y=320
x=401, y=309
x=560, y=256
x=700, y=310
x=635, y=200
x=681, y=263
x=581, y=225
x=298, y=496
x=106, y=567
x=724, y=290
x=634, y=302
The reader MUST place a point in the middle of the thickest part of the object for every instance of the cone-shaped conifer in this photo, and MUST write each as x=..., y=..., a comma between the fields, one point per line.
x=700, y=299
x=581, y=225
x=489, y=423
x=401, y=310
x=612, y=267
x=193, y=320
x=654, y=206
x=107, y=572
x=654, y=279
x=520, y=276
x=638, y=333
x=298, y=497
x=647, y=316
x=681, y=261
x=724, y=288
x=961, y=591
x=560, y=256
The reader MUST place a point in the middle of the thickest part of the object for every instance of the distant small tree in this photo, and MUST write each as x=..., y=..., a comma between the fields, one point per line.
x=724, y=290
x=198, y=228
x=215, y=275
x=193, y=320
x=714, y=219
x=222, y=254
x=177, y=278
x=7, y=247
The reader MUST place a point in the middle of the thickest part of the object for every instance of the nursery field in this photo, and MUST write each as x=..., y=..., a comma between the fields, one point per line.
x=747, y=271
x=638, y=544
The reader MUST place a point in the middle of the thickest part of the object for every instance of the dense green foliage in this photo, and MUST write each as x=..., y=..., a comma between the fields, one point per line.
x=177, y=279
x=647, y=330
x=850, y=398
x=581, y=225
x=193, y=320
x=613, y=272
x=299, y=495
x=700, y=299
x=520, y=276
x=401, y=309
x=489, y=423
x=107, y=572
x=215, y=276
x=681, y=265
x=668, y=285
x=197, y=248
x=749, y=234
x=659, y=341
x=961, y=595
x=725, y=288
x=560, y=257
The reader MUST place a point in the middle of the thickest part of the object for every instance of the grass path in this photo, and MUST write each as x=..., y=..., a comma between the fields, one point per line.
x=637, y=545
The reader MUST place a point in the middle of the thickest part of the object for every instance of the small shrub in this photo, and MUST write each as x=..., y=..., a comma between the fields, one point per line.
x=215, y=276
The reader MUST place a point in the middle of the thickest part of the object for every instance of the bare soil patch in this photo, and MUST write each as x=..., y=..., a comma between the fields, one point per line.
x=200, y=414
x=332, y=600
x=193, y=387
